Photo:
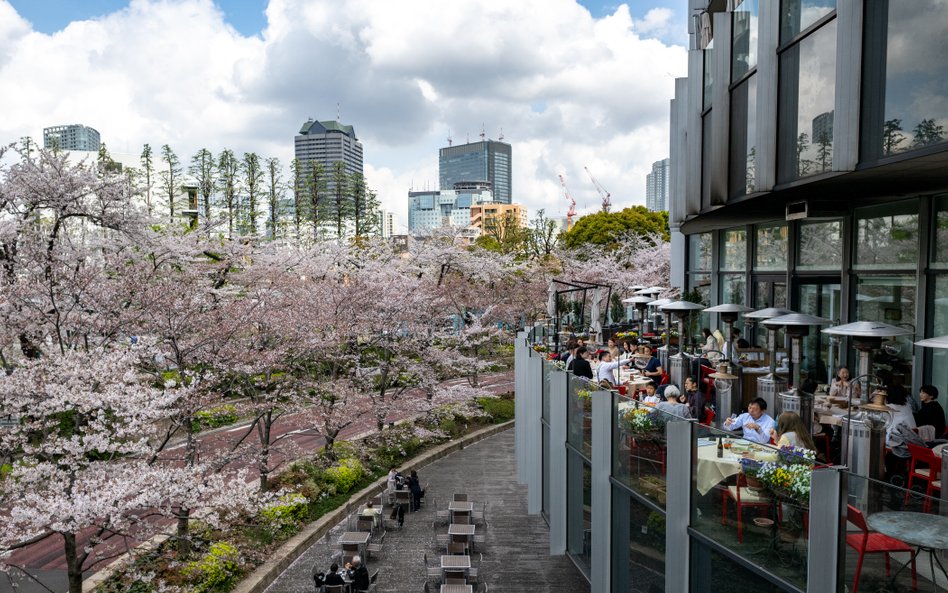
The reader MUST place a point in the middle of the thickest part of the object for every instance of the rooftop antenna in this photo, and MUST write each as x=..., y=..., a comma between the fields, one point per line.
x=338, y=113
x=450, y=139
x=501, y=137
x=483, y=133
x=468, y=138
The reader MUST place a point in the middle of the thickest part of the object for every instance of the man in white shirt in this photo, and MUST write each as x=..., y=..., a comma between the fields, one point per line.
x=755, y=422
x=607, y=368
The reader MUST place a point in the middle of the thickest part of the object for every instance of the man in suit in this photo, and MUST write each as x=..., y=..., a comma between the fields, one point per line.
x=359, y=575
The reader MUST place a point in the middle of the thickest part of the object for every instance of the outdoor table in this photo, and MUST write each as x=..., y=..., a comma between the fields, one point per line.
x=926, y=531
x=711, y=469
x=355, y=538
x=460, y=507
x=460, y=529
x=457, y=589
x=455, y=562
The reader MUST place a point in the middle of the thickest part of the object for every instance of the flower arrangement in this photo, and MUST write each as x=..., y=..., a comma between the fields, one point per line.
x=642, y=420
x=627, y=335
x=786, y=473
x=561, y=365
x=586, y=392
x=539, y=348
x=552, y=356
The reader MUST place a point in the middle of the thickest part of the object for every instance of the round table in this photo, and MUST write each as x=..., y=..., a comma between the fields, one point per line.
x=927, y=531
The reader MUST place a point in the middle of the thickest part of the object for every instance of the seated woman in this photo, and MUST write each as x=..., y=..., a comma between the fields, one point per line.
x=841, y=386
x=792, y=431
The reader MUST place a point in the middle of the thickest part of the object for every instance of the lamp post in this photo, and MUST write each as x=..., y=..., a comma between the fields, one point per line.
x=797, y=326
x=867, y=338
x=679, y=309
x=729, y=314
x=770, y=384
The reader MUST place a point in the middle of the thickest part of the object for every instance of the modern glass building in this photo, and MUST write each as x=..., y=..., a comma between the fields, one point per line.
x=487, y=160
x=809, y=153
x=656, y=186
x=428, y=210
x=71, y=137
x=328, y=142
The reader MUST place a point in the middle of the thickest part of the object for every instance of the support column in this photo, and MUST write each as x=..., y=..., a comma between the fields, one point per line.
x=600, y=569
x=827, y=525
x=678, y=505
x=533, y=434
x=768, y=32
x=559, y=382
x=520, y=396
x=720, y=109
x=846, y=114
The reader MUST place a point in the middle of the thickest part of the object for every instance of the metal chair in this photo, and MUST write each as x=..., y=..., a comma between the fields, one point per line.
x=932, y=466
x=376, y=547
x=874, y=543
x=431, y=572
x=743, y=497
x=365, y=524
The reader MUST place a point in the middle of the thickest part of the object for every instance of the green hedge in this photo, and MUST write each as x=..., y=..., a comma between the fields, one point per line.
x=500, y=409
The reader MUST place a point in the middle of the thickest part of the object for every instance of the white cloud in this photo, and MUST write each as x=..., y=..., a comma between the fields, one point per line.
x=567, y=89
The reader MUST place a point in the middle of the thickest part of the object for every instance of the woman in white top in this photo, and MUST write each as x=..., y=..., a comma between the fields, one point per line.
x=792, y=431
x=841, y=386
x=710, y=348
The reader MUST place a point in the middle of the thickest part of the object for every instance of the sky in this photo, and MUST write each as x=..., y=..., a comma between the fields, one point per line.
x=569, y=84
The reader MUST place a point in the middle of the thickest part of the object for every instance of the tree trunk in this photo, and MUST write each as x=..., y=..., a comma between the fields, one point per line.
x=264, y=468
x=182, y=537
x=73, y=565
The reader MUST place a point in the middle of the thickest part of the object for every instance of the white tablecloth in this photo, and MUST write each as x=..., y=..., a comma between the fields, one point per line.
x=713, y=470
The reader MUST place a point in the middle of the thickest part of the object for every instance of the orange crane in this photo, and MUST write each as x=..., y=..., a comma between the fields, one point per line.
x=572, y=204
x=602, y=191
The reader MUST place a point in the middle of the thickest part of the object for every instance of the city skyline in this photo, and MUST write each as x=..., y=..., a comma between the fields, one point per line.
x=127, y=66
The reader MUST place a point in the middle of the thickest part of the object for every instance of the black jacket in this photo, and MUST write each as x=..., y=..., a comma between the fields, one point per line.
x=334, y=578
x=582, y=368
x=360, y=578
x=932, y=414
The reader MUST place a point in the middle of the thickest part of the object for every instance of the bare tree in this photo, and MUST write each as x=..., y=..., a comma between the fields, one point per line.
x=227, y=169
x=170, y=179
x=148, y=167
x=274, y=195
x=202, y=168
x=253, y=180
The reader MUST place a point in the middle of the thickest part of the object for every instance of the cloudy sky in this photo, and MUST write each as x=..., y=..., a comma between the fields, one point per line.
x=570, y=84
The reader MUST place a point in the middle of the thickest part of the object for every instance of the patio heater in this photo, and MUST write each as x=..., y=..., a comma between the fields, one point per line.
x=728, y=399
x=729, y=314
x=940, y=343
x=770, y=384
x=641, y=304
x=663, y=351
x=797, y=326
x=729, y=396
x=676, y=362
x=867, y=337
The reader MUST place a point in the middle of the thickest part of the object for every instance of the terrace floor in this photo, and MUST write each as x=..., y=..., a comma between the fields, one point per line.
x=516, y=554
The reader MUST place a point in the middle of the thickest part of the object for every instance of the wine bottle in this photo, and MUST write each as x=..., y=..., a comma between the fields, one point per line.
x=720, y=446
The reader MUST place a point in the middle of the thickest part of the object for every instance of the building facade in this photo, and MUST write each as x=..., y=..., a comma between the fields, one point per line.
x=485, y=161
x=71, y=137
x=496, y=217
x=387, y=220
x=329, y=142
x=656, y=186
x=814, y=172
x=429, y=210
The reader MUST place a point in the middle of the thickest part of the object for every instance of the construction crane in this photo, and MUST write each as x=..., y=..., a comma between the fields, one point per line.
x=602, y=191
x=572, y=204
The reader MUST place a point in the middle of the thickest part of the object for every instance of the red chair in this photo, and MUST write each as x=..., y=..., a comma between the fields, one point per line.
x=708, y=416
x=874, y=543
x=743, y=497
x=823, y=438
x=926, y=472
x=707, y=381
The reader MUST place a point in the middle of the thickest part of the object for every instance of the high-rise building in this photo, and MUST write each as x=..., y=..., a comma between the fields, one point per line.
x=656, y=186
x=71, y=137
x=328, y=142
x=485, y=161
x=433, y=209
x=387, y=220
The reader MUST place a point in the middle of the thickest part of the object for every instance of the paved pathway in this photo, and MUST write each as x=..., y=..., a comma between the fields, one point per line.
x=515, y=558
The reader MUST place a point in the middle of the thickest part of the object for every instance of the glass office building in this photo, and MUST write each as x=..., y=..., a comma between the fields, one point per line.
x=487, y=160
x=71, y=137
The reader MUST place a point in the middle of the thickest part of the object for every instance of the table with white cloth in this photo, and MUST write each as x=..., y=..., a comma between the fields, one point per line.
x=711, y=469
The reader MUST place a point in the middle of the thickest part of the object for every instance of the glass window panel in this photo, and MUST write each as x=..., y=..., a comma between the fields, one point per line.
x=887, y=238
x=939, y=356
x=743, y=163
x=797, y=15
x=638, y=545
x=699, y=257
x=734, y=250
x=820, y=246
x=732, y=288
x=744, y=43
x=906, y=98
x=807, y=96
x=771, y=253
x=706, y=150
x=940, y=235
x=578, y=511
x=889, y=299
x=545, y=501
x=708, y=75
x=822, y=300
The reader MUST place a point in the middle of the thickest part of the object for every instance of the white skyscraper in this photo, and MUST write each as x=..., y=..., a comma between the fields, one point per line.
x=656, y=186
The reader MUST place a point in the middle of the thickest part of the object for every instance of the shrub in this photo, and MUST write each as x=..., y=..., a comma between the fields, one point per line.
x=215, y=418
x=345, y=474
x=500, y=410
x=287, y=512
x=216, y=571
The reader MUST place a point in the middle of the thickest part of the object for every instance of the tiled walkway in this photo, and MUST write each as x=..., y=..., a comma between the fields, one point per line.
x=515, y=558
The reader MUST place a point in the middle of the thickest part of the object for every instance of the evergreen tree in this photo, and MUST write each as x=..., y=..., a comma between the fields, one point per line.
x=365, y=207
x=170, y=179
x=202, y=169
x=892, y=136
x=927, y=132
x=315, y=185
x=274, y=196
x=341, y=202
x=227, y=170
x=148, y=168
x=253, y=184
x=299, y=191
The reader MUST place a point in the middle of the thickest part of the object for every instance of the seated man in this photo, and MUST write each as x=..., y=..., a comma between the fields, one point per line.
x=755, y=423
x=334, y=578
x=671, y=404
x=359, y=575
x=651, y=394
x=607, y=367
x=694, y=398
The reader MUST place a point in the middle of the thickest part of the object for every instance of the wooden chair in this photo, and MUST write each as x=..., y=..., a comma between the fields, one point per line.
x=874, y=543
x=457, y=548
x=365, y=524
x=925, y=466
x=431, y=572
x=743, y=497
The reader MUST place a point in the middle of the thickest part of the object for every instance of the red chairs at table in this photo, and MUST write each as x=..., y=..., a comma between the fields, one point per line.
x=925, y=466
x=874, y=543
x=743, y=497
x=708, y=417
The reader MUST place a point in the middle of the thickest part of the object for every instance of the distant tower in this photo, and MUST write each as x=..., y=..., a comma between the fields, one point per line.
x=71, y=137
x=656, y=186
x=487, y=160
x=328, y=142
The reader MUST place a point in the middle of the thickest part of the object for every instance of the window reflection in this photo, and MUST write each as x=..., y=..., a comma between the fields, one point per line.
x=734, y=250
x=699, y=259
x=905, y=91
x=743, y=162
x=939, y=356
x=797, y=15
x=744, y=45
x=887, y=239
x=708, y=77
x=821, y=246
x=889, y=299
x=771, y=248
x=807, y=95
x=940, y=253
